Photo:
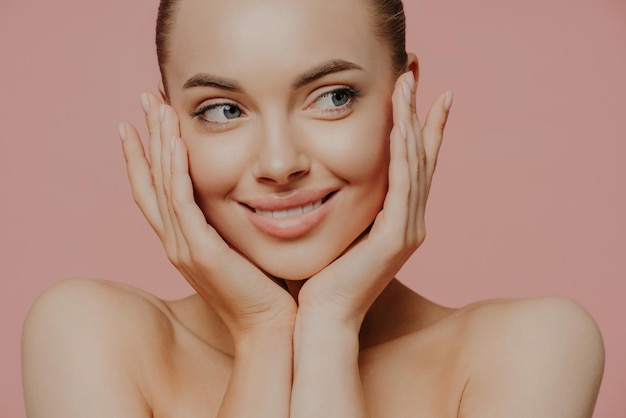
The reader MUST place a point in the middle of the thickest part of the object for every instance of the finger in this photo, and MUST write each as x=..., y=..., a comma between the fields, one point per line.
x=210, y=257
x=417, y=162
x=150, y=104
x=170, y=130
x=198, y=234
x=433, y=129
x=152, y=108
x=395, y=205
x=153, y=120
x=432, y=135
x=404, y=110
x=139, y=175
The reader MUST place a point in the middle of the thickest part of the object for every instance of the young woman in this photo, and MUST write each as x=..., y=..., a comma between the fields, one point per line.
x=287, y=179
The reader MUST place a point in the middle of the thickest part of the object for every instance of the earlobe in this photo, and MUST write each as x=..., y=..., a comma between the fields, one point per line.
x=412, y=65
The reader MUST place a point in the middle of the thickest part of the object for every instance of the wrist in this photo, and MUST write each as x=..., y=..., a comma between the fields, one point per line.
x=323, y=348
x=250, y=324
x=263, y=341
x=277, y=330
x=328, y=318
x=326, y=327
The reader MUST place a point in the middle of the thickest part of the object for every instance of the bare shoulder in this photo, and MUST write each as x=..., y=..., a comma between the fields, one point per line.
x=531, y=357
x=85, y=345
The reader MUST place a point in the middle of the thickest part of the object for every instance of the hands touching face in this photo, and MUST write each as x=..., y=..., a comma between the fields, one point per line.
x=244, y=296
x=347, y=287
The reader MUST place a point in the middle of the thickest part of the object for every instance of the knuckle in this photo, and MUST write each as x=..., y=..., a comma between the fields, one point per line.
x=167, y=193
x=174, y=201
x=421, y=158
x=180, y=258
x=194, y=259
x=152, y=128
x=156, y=178
x=436, y=129
x=185, y=258
x=172, y=255
x=419, y=237
x=178, y=204
x=137, y=197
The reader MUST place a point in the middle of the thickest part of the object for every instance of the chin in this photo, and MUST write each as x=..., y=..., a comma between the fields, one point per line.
x=302, y=263
x=295, y=269
x=295, y=262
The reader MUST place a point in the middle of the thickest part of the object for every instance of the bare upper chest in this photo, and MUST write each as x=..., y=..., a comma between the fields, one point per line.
x=417, y=375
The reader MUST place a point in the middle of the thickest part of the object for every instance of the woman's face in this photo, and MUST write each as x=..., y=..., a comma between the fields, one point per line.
x=285, y=109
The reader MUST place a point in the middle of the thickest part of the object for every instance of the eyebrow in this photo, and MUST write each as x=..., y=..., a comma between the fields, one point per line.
x=208, y=80
x=315, y=73
x=322, y=70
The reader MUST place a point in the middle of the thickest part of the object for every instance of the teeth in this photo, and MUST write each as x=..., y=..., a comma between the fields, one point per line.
x=295, y=211
x=290, y=212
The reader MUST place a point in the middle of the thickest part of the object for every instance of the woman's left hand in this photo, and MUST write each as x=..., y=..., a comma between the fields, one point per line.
x=345, y=290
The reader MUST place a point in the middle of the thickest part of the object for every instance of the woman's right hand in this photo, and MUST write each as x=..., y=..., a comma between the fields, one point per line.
x=246, y=299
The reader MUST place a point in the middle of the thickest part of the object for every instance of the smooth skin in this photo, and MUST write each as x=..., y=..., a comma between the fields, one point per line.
x=349, y=341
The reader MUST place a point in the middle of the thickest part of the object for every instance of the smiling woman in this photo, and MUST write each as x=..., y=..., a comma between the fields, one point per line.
x=287, y=180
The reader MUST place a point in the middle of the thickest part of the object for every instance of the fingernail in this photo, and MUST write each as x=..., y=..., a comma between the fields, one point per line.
x=172, y=144
x=145, y=103
x=447, y=103
x=402, y=130
x=161, y=112
x=407, y=91
x=122, y=128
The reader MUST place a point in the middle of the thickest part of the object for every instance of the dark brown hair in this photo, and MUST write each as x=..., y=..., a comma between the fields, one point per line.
x=389, y=24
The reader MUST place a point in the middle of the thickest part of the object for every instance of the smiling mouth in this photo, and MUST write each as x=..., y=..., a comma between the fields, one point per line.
x=295, y=211
x=300, y=210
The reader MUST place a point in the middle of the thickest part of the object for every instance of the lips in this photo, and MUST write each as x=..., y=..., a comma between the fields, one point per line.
x=289, y=217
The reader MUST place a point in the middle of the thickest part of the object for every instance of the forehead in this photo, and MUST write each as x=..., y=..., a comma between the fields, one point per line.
x=237, y=37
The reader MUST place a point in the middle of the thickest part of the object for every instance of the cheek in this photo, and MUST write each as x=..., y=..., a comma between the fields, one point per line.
x=357, y=149
x=215, y=165
x=214, y=168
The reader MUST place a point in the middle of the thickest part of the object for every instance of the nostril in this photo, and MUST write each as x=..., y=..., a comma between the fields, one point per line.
x=280, y=168
x=296, y=175
x=268, y=180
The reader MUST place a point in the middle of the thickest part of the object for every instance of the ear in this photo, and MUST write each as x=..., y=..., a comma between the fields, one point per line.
x=412, y=64
x=162, y=91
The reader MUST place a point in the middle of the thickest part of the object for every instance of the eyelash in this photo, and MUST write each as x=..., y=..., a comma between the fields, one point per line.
x=353, y=94
x=198, y=113
x=352, y=91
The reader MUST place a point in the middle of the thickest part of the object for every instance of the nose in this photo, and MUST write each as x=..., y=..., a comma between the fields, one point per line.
x=280, y=159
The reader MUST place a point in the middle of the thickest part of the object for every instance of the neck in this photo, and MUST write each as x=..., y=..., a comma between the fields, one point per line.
x=396, y=312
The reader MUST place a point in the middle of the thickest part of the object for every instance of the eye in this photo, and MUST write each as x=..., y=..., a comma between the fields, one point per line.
x=335, y=99
x=334, y=104
x=218, y=115
x=220, y=112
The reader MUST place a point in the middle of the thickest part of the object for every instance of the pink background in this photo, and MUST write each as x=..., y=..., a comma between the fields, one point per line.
x=529, y=198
